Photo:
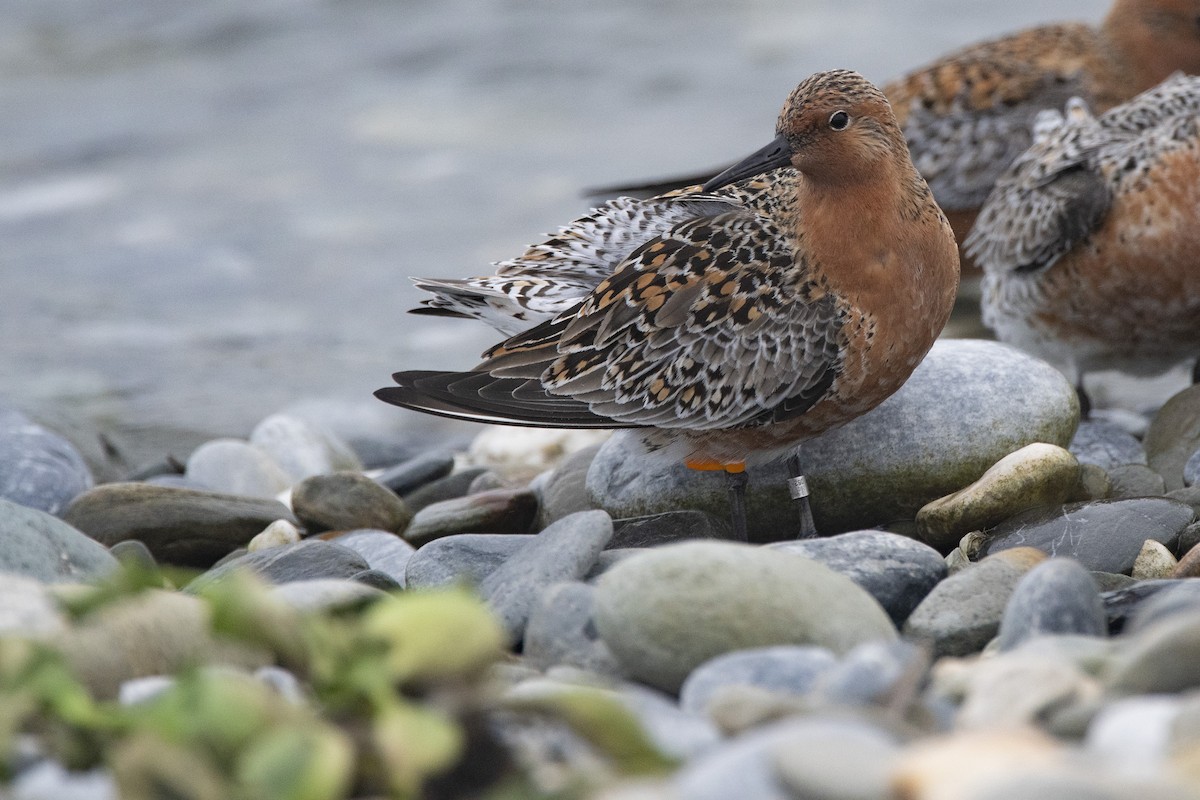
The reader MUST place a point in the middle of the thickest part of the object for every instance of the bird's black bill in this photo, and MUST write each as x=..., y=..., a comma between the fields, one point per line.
x=775, y=155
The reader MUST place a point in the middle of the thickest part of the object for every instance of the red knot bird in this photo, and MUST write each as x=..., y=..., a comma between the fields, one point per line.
x=786, y=296
x=967, y=115
x=1090, y=241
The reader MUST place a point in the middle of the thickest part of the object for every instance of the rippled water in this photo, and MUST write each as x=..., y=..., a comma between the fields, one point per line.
x=209, y=210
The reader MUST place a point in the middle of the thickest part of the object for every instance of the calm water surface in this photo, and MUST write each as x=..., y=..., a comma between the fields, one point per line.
x=210, y=210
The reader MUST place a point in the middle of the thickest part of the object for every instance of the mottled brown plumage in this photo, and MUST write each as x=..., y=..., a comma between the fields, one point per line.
x=787, y=296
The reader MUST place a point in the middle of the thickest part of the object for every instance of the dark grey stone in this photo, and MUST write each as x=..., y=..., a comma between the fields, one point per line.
x=38, y=469
x=346, y=501
x=41, y=546
x=672, y=526
x=1174, y=435
x=1120, y=605
x=376, y=579
x=561, y=631
x=896, y=570
x=1103, y=535
x=414, y=473
x=180, y=526
x=384, y=551
x=1174, y=596
x=564, y=551
x=454, y=485
x=791, y=669
x=307, y=560
x=496, y=511
x=1135, y=480
x=1057, y=596
x=565, y=490
x=1106, y=445
x=465, y=558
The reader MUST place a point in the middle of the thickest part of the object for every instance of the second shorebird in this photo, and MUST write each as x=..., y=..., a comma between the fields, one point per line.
x=787, y=296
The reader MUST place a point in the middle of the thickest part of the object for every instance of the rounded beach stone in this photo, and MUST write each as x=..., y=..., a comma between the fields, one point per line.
x=1174, y=597
x=27, y=609
x=896, y=570
x=561, y=631
x=1103, y=535
x=180, y=526
x=496, y=511
x=1174, y=435
x=963, y=612
x=666, y=610
x=1038, y=474
x=1189, y=564
x=1161, y=658
x=410, y=475
x=384, y=551
x=565, y=490
x=236, y=467
x=791, y=669
x=562, y=552
x=1057, y=596
x=1106, y=445
x=843, y=759
x=1191, y=469
x=309, y=559
x=326, y=594
x=301, y=448
x=277, y=534
x=868, y=674
x=915, y=447
x=454, y=485
x=1135, y=480
x=1154, y=561
x=464, y=558
x=38, y=469
x=345, y=501
x=43, y=547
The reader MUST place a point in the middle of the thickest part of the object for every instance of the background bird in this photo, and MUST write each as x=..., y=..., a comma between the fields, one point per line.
x=1090, y=242
x=790, y=294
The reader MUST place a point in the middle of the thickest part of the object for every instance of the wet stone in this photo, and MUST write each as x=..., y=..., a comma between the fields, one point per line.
x=38, y=469
x=497, y=511
x=345, y=501
x=179, y=526
x=464, y=558
x=672, y=526
x=1135, y=480
x=1103, y=535
x=40, y=546
x=792, y=669
x=897, y=571
x=1057, y=596
x=1106, y=445
x=963, y=612
x=236, y=467
x=1174, y=436
x=414, y=473
x=562, y=552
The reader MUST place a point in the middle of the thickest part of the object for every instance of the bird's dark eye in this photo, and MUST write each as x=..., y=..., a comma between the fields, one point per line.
x=839, y=120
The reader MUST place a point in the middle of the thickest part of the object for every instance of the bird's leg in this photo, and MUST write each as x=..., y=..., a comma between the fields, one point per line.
x=736, y=479
x=798, y=489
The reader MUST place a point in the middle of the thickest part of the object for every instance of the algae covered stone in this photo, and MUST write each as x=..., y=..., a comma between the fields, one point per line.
x=667, y=610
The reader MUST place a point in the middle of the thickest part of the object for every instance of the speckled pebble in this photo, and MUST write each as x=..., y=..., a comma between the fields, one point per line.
x=1154, y=561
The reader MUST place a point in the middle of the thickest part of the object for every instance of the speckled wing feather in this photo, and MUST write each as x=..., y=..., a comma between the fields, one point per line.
x=967, y=117
x=1051, y=198
x=713, y=325
x=554, y=275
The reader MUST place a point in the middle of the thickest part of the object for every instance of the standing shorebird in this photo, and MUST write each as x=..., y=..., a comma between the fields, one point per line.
x=1090, y=243
x=788, y=295
x=967, y=115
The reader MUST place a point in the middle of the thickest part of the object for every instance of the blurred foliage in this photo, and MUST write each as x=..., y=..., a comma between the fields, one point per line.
x=395, y=702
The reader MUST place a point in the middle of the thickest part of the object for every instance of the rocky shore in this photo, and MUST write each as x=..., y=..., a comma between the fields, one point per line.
x=1002, y=604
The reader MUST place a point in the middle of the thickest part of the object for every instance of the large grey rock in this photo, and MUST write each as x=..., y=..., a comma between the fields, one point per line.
x=561, y=630
x=38, y=468
x=1057, y=596
x=963, y=612
x=562, y=552
x=465, y=558
x=180, y=526
x=38, y=545
x=565, y=489
x=236, y=467
x=666, y=610
x=383, y=550
x=918, y=445
x=896, y=570
x=1103, y=535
